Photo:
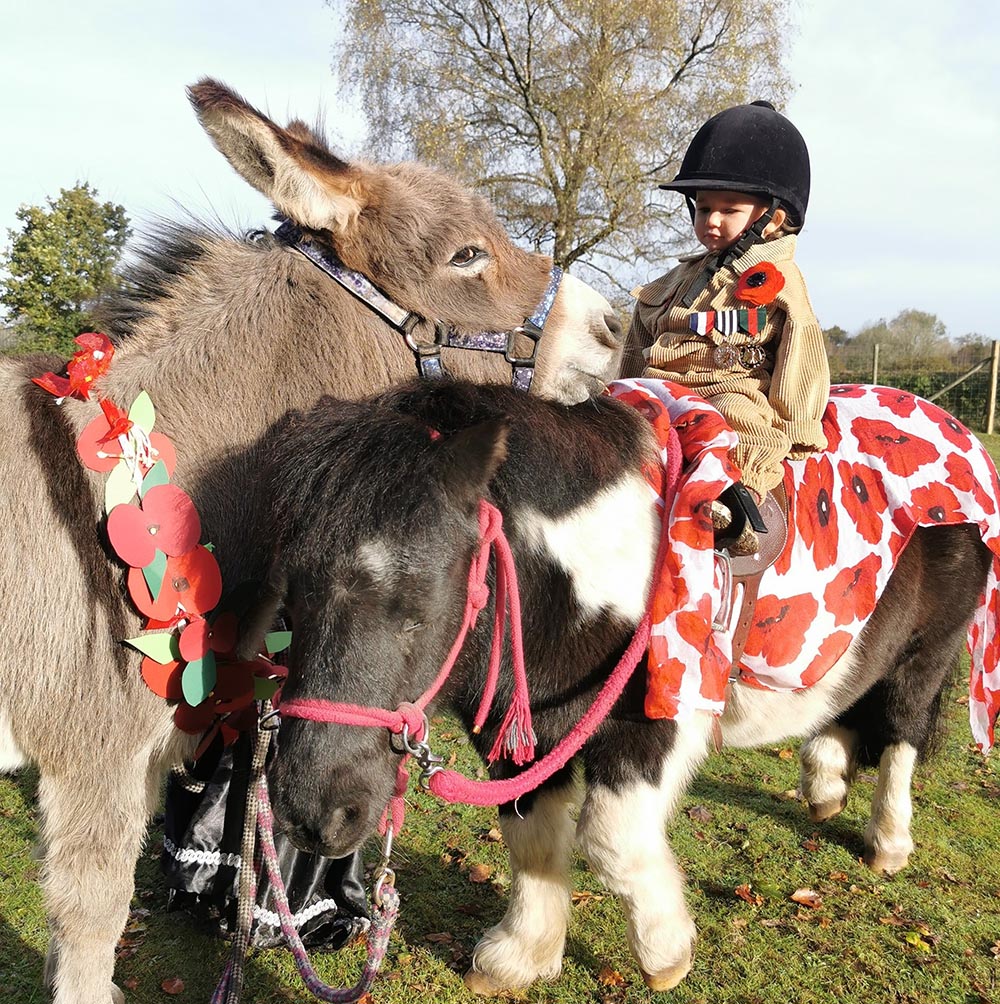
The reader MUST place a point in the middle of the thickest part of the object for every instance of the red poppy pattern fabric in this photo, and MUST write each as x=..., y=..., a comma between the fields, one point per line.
x=899, y=462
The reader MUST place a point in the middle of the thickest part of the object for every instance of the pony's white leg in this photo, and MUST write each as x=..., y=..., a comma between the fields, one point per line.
x=93, y=829
x=528, y=943
x=621, y=832
x=828, y=763
x=888, y=843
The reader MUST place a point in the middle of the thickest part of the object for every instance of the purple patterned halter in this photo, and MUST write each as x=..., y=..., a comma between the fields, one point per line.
x=428, y=356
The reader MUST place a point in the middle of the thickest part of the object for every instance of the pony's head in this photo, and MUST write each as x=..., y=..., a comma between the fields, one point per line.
x=377, y=522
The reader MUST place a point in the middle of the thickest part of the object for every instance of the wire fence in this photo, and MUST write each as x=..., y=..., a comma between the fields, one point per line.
x=962, y=387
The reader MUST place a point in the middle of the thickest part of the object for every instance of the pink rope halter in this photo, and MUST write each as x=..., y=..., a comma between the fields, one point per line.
x=516, y=736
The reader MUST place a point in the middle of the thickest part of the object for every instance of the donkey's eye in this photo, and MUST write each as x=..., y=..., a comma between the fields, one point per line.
x=464, y=257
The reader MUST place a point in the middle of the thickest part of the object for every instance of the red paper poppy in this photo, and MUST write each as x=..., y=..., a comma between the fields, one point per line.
x=779, y=628
x=166, y=520
x=119, y=423
x=864, y=500
x=200, y=636
x=163, y=678
x=901, y=452
x=99, y=453
x=851, y=594
x=90, y=362
x=815, y=513
x=192, y=580
x=760, y=284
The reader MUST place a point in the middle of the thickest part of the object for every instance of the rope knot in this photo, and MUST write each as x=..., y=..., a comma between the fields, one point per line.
x=411, y=716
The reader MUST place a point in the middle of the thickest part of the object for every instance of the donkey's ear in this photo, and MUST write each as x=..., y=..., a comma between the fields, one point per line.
x=469, y=459
x=293, y=167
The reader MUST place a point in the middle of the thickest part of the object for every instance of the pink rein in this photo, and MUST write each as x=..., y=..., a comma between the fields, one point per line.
x=516, y=737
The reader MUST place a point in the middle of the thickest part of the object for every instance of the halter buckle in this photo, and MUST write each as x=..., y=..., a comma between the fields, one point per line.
x=529, y=330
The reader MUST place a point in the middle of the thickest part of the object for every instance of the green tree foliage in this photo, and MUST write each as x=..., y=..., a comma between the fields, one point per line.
x=912, y=337
x=60, y=260
x=566, y=113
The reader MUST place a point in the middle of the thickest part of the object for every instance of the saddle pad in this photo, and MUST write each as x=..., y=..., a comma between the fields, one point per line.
x=894, y=462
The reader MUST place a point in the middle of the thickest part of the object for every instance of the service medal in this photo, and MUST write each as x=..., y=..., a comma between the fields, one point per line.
x=725, y=356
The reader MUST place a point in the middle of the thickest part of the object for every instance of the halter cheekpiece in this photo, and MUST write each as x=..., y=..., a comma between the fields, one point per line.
x=428, y=356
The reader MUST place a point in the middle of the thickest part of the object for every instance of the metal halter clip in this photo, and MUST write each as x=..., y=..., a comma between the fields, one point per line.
x=419, y=750
x=384, y=875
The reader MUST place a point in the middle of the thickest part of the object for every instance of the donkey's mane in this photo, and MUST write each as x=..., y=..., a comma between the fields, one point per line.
x=158, y=262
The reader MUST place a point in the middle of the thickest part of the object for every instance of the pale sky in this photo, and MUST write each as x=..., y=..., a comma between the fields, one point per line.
x=899, y=102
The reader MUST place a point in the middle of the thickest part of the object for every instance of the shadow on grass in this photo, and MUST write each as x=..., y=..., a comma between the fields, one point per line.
x=21, y=968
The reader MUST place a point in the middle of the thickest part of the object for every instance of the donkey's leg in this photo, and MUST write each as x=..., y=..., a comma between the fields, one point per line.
x=828, y=761
x=528, y=943
x=92, y=832
x=621, y=832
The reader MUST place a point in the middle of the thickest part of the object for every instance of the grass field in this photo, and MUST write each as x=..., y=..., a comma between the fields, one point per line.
x=931, y=934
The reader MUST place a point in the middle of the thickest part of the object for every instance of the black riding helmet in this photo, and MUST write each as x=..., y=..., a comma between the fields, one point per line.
x=748, y=148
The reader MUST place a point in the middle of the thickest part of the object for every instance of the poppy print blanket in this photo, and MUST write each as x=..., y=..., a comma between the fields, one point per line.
x=894, y=462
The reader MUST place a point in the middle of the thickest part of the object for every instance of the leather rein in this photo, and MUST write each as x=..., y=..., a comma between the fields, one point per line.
x=403, y=321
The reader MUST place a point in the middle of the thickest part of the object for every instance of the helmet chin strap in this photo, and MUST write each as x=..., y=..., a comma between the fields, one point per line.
x=752, y=235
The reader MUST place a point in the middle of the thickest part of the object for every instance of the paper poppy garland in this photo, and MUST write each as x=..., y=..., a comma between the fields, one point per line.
x=173, y=580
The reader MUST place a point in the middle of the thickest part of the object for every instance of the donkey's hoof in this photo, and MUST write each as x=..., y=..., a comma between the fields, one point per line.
x=667, y=979
x=482, y=984
x=819, y=812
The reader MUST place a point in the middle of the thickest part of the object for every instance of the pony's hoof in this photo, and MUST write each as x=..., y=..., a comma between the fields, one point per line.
x=483, y=985
x=819, y=812
x=886, y=862
x=117, y=996
x=667, y=979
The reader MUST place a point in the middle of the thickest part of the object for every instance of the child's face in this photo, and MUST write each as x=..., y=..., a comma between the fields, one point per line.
x=721, y=217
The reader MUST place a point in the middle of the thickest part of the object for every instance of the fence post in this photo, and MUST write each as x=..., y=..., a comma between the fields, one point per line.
x=875, y=363
x=991, y=409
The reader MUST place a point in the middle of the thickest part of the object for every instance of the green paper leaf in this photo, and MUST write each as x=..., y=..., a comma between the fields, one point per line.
x=198, y=679
x=159, y=647
x=119, y=487
x=154, y=572
x=264, y=689
x=277, y=641
x=209, y=547
x=156, y=475
x=142, y=412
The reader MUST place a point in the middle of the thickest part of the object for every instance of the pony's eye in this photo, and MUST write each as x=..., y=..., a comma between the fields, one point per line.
x=464, y=257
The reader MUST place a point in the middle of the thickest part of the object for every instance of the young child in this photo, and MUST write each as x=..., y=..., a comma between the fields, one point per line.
x=735, y=323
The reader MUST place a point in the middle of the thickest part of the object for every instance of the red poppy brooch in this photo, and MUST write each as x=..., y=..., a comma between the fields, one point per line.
x=760, y=284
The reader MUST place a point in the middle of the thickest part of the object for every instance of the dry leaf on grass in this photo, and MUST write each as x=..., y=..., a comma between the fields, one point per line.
x=131, y=983
x=807, y=897
x=746, y=893
x=173, y=985
x=480, y=874
x=810, y=845
x=699, y=814
x=441, y=938
x=785, y=754
x=609, y=977
x=583, y=897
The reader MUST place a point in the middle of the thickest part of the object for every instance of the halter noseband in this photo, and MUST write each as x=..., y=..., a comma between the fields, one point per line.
x=428, y=356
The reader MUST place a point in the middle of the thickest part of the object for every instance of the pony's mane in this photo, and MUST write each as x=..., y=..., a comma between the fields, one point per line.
x=161, y=258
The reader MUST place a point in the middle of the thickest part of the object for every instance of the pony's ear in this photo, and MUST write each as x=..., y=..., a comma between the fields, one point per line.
x=293, y=167
x=468, y=460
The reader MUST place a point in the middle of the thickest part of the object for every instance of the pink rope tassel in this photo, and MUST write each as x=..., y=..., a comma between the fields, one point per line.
x=516, y=737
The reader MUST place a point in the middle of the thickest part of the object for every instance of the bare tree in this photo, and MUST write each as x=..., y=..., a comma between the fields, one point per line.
x=566, y=113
